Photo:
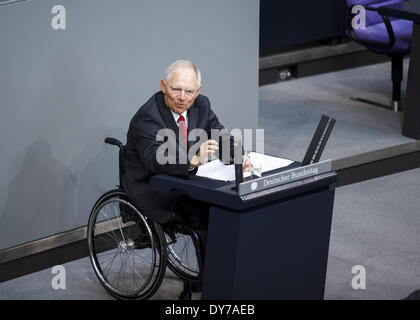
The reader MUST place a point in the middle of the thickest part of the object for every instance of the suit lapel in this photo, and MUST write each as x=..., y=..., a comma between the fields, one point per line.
x=193, y=121
x=167, y=116
x=192, y=118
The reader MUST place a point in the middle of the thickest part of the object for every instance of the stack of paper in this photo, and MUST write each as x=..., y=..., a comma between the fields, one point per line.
x=217, y=170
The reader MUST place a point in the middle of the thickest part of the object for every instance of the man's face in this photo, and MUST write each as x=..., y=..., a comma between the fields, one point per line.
x=181, y=89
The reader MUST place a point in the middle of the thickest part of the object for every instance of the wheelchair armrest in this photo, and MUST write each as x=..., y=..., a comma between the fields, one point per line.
x=114, y=142
x=388, y=25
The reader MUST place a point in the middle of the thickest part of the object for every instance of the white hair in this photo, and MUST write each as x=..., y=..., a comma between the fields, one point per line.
x=186, y=63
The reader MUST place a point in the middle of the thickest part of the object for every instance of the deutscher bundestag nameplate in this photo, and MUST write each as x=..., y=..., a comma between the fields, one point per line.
x=284, y=177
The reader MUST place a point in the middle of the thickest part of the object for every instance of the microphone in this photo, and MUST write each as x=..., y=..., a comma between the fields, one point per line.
x=238, y=163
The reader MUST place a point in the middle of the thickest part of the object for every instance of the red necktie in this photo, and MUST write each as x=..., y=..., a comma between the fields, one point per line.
x=183, y=129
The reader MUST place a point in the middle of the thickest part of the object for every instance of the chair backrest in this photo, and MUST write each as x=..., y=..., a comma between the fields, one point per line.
x=121, y=159
x=371, y=16
x=121, y=166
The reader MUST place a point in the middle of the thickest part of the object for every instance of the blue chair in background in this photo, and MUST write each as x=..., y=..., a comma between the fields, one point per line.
x=383, y=35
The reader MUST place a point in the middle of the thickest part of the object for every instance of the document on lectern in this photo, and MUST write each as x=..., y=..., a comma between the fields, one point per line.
x=217, y=170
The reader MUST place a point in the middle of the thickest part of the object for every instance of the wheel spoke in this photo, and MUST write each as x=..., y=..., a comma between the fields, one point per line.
x=119, y=232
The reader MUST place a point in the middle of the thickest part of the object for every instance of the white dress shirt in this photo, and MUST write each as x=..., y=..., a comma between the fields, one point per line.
x=176, y=117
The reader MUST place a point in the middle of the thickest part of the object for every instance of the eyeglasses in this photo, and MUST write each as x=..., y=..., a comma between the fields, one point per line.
x=188, y=92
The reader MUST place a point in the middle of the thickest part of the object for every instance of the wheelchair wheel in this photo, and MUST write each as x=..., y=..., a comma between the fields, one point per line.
x=127, y=251
x=182, y=254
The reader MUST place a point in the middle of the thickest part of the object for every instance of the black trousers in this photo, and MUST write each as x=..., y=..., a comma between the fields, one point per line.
x=195, y=214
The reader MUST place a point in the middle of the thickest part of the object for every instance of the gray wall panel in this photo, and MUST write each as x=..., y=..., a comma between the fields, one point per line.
x=63, y=91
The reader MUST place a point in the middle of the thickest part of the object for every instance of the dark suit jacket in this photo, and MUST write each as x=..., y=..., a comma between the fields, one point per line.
x=140, y=160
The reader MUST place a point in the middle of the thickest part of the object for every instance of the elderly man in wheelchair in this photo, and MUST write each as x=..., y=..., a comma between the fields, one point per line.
x=135, y=231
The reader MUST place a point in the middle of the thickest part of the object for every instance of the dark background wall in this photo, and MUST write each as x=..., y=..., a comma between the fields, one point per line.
x=288, y=23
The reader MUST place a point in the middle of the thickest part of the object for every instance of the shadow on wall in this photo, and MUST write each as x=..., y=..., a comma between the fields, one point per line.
x=39, y=200
x=47, y=198
x=99, y=173
x=44, y=196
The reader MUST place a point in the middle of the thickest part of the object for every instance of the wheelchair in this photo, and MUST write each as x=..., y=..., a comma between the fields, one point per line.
x=129, y=252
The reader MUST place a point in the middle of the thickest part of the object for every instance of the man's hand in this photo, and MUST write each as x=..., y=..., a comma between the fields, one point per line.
x=206, y=150
x=246, y=163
